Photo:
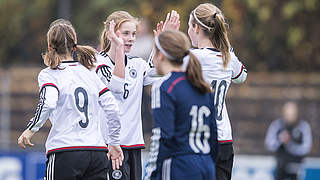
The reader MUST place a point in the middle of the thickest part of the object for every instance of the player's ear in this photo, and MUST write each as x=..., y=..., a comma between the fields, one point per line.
x=162, y=57
x=197, y=29
x=50, y=48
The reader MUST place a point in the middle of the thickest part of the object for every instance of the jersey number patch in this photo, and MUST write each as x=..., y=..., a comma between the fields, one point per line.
x=197, y=128
x=220, y=95
x=84, y=108
x=126, y=91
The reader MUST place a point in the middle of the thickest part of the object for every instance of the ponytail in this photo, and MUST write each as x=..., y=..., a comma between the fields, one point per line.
x=86, y=55
x=194, y=75
x=219, y=38
x=52, y=59
x=104, y=41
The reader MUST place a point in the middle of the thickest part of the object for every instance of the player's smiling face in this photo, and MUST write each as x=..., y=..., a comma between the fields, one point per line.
x=128, y=31
x=192, y=32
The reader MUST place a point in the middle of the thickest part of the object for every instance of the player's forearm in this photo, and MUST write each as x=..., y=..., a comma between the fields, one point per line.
x=111, y=109
x=117, y=55
x=116, y=85
x=114, y=131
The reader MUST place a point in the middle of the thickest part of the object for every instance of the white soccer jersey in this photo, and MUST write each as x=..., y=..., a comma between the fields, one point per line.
x=70, y=97
x=128, y=92
x=220, y=78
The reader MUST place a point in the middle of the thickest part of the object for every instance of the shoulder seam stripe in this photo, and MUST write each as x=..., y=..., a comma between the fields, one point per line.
x=49, y=84
x=175, y=82
x=103, y=91
x=101, y=65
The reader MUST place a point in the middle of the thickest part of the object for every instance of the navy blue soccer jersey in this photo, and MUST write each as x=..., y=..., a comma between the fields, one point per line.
x=184, y=122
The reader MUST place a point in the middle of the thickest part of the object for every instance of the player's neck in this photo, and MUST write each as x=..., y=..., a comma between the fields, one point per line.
x=67, y=58
x=205, y=42
x=171, y=68
x=111, y=54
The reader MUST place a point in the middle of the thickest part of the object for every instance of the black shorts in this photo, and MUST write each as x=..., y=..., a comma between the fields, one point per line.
x=131, y=166
x=224, y=162
x=84, y=165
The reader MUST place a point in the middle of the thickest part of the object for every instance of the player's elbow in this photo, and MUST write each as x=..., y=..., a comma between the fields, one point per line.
x=241, y=78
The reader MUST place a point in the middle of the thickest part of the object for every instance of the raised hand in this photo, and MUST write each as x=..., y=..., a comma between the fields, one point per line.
x=158, y=29
x=172, y=21
x=114, y=37
x=116, y=155
x=25, y=139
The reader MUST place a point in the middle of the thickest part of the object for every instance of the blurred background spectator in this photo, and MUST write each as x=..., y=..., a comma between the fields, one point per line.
x=289, y=137
x=144, y=42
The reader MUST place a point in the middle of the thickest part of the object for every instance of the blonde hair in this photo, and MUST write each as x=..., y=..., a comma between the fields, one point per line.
x=62, y=38
x=211, y=20
x=176, y=44
x=118, y=17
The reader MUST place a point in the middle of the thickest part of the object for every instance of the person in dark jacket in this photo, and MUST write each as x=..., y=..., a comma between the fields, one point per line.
x=290, y=139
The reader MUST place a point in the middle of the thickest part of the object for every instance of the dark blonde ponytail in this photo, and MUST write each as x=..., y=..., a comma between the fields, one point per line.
x=86, y=55
x=52, y=59
x=219, y=38
x=211, y=20
x=104, y=41
x=176, y=45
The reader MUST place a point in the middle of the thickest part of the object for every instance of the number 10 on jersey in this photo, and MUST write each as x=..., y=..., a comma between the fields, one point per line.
x=219, y=95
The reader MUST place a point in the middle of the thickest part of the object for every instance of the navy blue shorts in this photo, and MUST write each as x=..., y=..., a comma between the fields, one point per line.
x=188, y=167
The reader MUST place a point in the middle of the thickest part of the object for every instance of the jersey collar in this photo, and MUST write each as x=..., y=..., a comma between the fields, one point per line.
x=71, y=61
x=212, y=49
x=125, y=60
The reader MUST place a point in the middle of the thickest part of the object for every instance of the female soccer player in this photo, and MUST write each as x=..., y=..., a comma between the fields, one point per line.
x=184, y=142
x=126, y=79
x=69, y=96
x=208, y=32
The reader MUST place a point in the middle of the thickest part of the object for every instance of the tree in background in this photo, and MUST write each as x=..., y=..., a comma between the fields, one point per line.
x=276, y=35
x=267, y=35
x=23, y=25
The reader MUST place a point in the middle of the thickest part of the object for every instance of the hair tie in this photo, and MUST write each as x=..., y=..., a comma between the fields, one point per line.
x=156, y=40
x=214, y=15
x=74, y=47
